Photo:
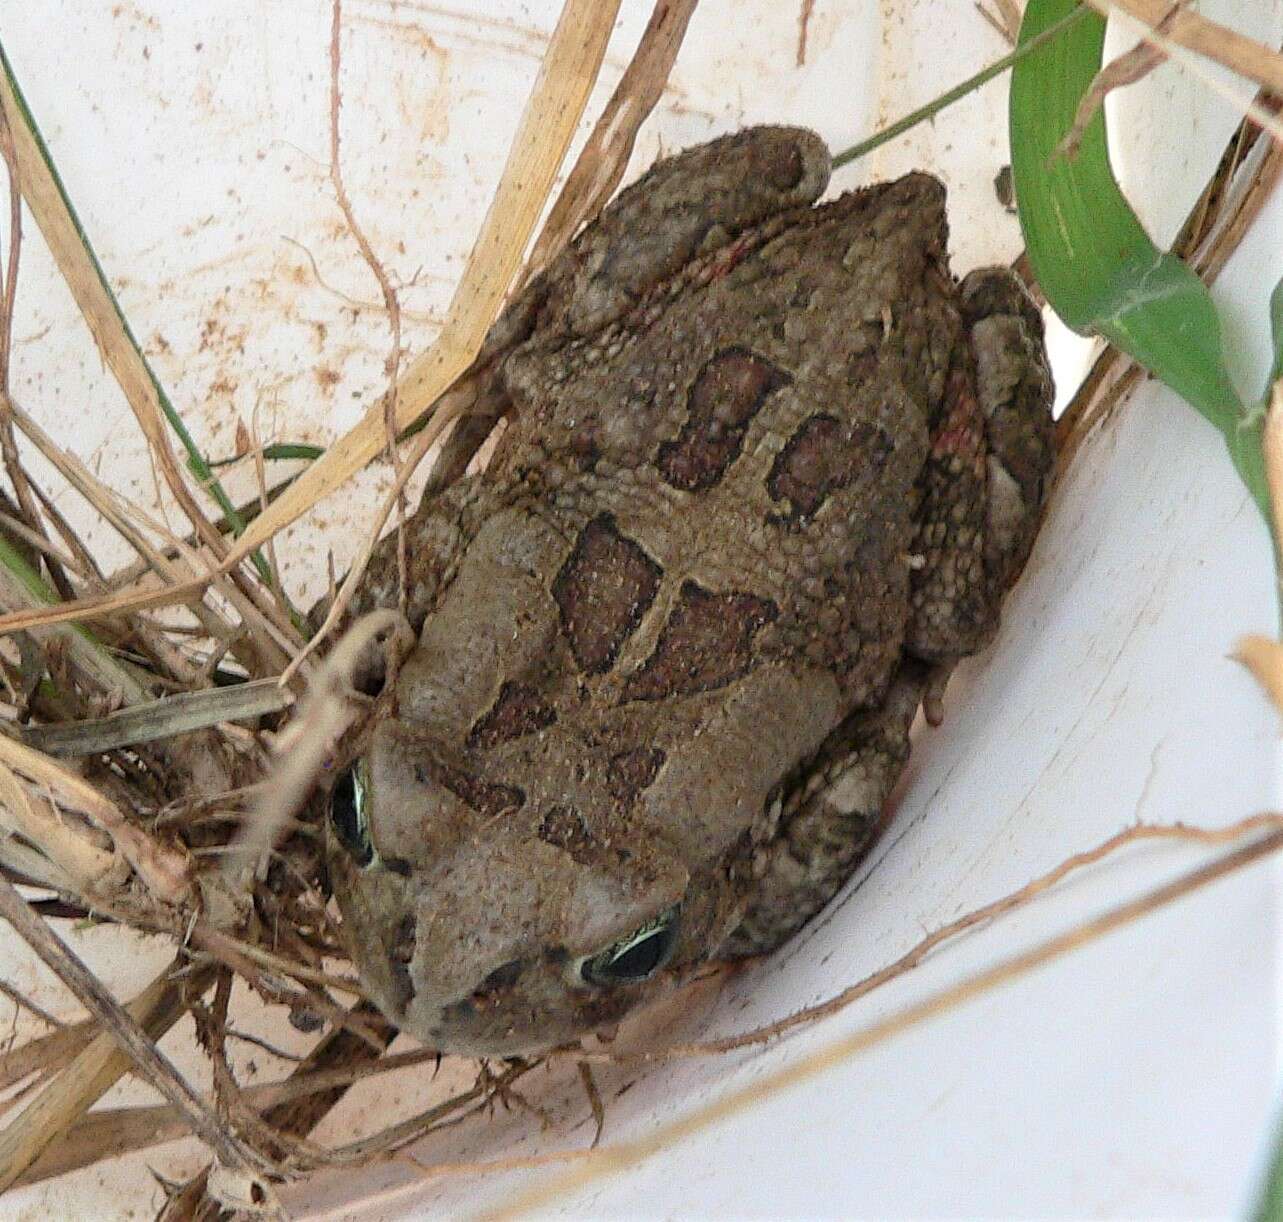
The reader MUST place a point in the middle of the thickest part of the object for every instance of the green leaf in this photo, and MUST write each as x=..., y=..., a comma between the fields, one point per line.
x=1092, y=257
x=1276, y=330
x=1269, y=1208
x=23, y=586
x=282, y=451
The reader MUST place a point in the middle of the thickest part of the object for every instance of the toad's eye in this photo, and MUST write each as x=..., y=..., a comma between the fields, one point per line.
x=348, y=815
x=634, y=958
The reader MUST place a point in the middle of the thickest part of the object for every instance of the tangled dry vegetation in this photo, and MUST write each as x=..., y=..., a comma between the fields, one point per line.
x=158, y=768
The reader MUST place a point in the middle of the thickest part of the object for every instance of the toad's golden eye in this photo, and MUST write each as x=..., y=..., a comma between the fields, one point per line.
x=636, y=957
x=348, y=815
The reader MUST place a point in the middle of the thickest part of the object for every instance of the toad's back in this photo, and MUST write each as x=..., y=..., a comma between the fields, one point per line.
x=745, y=443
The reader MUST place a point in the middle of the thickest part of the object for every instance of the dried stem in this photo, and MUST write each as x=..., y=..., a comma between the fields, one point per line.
x=163, y=870
x=984, y=915
x=154, y=1066
x=390, y=300
x=93, y=1072
x=159, y=719
x=1165, y=23
x=566, y=75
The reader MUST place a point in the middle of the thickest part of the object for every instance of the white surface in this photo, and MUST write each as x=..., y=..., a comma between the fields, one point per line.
x=1133, y=1080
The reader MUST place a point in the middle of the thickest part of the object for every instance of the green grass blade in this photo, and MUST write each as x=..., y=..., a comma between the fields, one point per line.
x=962, y=90
x=1276, y=331
x=281, y=451
x=1269, y=1207
x=1093, y=259
x=24, y=586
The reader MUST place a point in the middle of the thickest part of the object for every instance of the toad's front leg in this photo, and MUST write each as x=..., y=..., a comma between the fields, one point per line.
x=828, y=817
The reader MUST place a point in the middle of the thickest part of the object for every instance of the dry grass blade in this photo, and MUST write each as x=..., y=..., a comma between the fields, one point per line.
x=84, y=864
x=91, y=1074
x=124, y=1029
x=330, y=708
x=105, y=605
x=611, y=1159
x=1127, y=69
x=115, y=1131
x=605, y=155
x=1264, y=658
x=1261, y=655
x=566, y=76
x=106, y=1134
x=159, y=719
x=1181, y=25
x=45, y=1053
x=85, y=280
x=164, y=871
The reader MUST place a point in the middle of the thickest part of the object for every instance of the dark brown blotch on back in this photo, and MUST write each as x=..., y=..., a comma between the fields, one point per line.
x=706, y=643
x=564, y=828
x=519, y=710
x=728, y=392
x=632, y=771
x=824, y=455
x=602, y=591
x=484, y=797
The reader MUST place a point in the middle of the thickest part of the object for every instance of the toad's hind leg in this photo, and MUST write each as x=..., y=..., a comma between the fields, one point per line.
x=986, y=477
x=982, y=494
x=828, y=817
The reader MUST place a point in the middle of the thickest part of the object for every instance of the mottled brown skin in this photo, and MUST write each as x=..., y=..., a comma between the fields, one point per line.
x=767, y=464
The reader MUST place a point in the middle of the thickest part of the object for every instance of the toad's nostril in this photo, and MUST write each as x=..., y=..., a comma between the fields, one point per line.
x=400, y=954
